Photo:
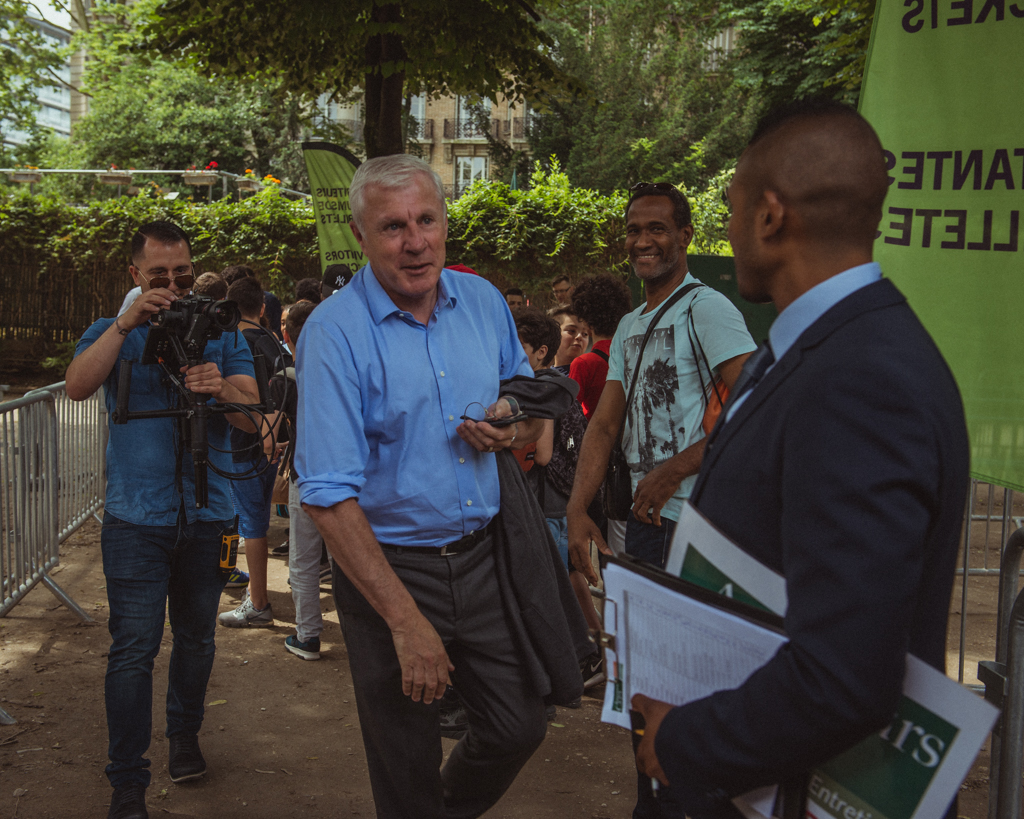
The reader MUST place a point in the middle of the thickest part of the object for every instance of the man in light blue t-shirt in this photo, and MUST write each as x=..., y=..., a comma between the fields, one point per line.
x=663, y=441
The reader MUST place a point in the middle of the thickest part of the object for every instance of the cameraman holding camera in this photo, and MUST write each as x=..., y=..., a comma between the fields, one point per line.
x=159, y=549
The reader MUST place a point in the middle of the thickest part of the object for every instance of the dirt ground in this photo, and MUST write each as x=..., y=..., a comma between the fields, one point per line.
x=281, y=736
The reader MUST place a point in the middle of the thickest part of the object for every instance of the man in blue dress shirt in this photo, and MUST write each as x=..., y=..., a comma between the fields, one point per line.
x=404, y=493
x=160, y=552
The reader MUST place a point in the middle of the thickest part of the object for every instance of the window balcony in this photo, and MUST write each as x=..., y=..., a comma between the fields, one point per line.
x=421, y=129
x=470, y=129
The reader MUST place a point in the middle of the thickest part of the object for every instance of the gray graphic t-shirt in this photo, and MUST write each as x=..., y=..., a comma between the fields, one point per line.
x=667, y=407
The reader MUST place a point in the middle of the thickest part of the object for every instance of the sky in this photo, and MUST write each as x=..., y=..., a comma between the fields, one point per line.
x=50, y=12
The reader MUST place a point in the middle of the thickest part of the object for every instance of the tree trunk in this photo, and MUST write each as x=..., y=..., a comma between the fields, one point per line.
x=382, y=129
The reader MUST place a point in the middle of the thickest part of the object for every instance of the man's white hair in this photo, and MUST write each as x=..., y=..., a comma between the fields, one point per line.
x=395, y=171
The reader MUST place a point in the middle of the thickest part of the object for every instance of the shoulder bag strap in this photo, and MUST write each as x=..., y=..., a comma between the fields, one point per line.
x=691, y=332
x=640, y=354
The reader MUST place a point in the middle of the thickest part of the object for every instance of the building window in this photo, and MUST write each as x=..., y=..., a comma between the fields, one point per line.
x=418, y=107
x=469, y=169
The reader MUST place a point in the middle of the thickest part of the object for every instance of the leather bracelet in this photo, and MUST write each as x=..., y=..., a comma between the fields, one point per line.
x=120, y=329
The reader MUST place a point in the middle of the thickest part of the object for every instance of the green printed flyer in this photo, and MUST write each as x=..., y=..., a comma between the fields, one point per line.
x=913, y=768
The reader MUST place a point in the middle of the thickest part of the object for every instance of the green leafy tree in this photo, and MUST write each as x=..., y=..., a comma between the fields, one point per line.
x=389, y=50
x=149, y=112
x=661, y=105
x=795, y=48
x=27, y=61
x=653, y=109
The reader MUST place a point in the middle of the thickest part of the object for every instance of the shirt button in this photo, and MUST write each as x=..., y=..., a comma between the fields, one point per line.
x=442, y=373
x=451, y=417
x=462, y=460
x=469, y=503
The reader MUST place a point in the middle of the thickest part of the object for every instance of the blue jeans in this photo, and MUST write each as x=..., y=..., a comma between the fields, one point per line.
x=559, y=528
x=147, y=567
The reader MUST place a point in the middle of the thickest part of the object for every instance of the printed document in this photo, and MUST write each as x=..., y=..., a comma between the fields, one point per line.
x=677, y=649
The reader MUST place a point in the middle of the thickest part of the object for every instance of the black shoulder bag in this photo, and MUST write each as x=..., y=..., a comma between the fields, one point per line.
x=618, y=484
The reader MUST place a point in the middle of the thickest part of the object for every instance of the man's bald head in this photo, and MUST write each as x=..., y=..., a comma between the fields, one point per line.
x=824, y=161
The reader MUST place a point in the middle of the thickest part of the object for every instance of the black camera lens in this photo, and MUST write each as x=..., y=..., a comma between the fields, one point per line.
x=222, y=314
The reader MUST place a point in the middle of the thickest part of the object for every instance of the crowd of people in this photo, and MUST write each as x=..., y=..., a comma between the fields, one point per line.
x=458, y=492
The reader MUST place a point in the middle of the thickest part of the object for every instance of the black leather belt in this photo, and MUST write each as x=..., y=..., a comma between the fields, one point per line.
x=456, y=547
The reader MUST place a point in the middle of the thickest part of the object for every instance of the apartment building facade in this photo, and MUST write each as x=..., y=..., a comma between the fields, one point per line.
x=450, y=133
x=54, y=100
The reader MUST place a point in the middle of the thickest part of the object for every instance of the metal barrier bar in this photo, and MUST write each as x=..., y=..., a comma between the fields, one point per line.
x=1010, y=786
x=29, y=479
x=81, y=447
x=994, y=674
x=968, y=519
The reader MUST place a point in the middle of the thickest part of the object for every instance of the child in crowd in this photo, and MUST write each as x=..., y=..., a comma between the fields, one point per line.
x=574, y=335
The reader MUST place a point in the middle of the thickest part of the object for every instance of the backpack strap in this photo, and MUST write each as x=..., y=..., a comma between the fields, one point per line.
x=601, y=354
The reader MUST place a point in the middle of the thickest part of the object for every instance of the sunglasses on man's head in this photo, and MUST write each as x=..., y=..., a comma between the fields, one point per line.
x=658, y=186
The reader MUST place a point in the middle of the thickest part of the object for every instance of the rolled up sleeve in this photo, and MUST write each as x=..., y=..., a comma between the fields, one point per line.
x=331, y=451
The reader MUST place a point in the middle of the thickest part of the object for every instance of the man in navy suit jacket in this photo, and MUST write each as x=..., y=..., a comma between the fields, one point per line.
x=841, y=462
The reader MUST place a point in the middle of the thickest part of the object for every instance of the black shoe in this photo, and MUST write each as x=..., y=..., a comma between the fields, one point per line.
x=185, y=760
x=592, y=670
x=454, y=721
x=279, y=551
x=128, y=802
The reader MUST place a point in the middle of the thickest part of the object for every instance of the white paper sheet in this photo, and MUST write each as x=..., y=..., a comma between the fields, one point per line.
x=674, y=648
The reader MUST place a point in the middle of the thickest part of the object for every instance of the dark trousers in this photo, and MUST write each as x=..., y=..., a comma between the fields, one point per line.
x=150, y=571
x=650, y=543
x=459, y=596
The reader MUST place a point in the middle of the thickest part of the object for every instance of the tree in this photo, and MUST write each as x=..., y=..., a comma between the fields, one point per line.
x=797, y=48
x=27, y=61
x=653, y=109
x=149, y=112
x=390, y=50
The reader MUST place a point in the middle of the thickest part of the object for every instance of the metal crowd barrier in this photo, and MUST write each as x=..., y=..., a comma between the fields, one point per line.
x=81, y=450
x=45, y=493
x=1003, y=677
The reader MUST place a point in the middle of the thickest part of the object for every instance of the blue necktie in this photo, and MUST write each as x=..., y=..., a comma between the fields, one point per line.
x=754, y=369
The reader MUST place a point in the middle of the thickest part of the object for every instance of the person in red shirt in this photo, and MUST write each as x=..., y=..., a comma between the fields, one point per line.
x=601, y=302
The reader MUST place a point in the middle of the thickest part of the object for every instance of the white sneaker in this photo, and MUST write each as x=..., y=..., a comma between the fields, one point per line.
x=247, y=615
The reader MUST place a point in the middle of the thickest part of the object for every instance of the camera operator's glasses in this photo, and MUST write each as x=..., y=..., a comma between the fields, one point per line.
x=183, y=281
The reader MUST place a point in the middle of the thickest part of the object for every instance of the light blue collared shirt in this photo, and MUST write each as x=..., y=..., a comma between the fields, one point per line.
x=810, y=307
x=380, y=398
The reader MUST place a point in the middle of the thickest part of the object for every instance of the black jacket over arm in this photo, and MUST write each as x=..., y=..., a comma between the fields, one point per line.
x=846, y=470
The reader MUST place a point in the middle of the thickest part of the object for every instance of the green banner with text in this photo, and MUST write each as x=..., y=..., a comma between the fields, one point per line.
x=330, y=169
x=941, y=87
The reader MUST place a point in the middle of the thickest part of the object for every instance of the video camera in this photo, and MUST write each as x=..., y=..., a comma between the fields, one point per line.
x=179, y=333
x=177, y=338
